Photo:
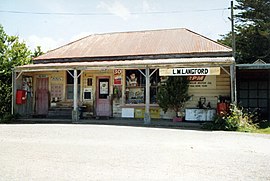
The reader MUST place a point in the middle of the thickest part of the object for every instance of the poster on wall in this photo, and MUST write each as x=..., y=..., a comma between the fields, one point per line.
x=202, y=82
x=117, y=77
x=104, y=88
x=27, y=83
x=57, y=92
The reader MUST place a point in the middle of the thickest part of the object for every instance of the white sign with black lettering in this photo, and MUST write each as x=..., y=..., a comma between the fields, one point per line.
x=189, y=71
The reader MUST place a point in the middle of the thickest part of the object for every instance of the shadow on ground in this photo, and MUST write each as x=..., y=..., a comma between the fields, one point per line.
x=155, y=123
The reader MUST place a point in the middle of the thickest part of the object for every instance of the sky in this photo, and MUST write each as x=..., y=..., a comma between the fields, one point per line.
x=53, y=23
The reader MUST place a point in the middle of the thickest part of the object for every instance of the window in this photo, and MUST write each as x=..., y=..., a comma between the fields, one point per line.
x=135, y=86
x=253, y=94
x=87, y=95
x=70, y=84
x=89, y=82
x=154, y=81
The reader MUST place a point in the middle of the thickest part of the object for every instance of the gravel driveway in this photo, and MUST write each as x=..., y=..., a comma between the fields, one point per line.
x=99, y=152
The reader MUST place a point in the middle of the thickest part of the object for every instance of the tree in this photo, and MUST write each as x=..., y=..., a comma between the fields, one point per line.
x=37, y=52
x=12, y=53
x=173, y=94
x=256, y=12
x=252, y=31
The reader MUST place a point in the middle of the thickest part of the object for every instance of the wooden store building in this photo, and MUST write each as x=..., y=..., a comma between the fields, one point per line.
x=118, y=74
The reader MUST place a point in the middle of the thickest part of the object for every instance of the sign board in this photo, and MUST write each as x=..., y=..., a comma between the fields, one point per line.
x=57, y=79
x=154, y=112
x=127, y=112
x=200, y=114
x=104, y=88
x=189, y=71
x=117, y=80
x=202, y=82
x=87, y=95
x=117, y=71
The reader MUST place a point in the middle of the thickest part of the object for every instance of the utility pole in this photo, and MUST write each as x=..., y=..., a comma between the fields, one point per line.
x=233, y=33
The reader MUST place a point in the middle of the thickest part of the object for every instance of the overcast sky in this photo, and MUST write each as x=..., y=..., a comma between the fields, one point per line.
x=52, y=23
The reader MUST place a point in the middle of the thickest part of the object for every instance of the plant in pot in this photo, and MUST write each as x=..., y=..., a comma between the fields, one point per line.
x=173, y=94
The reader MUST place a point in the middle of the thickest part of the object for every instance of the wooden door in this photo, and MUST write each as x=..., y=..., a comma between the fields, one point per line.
x=42, y=96
x=103, y=100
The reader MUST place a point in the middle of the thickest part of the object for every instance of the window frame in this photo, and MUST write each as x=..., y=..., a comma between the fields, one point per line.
x=70, y=83
x=154, y=82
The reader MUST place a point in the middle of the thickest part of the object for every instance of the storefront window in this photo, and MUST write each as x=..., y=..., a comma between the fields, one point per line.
x=154, y=81
x=70, y=84
x=135, y=87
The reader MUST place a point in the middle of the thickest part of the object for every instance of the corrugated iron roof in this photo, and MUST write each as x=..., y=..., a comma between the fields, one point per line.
x=138, y=43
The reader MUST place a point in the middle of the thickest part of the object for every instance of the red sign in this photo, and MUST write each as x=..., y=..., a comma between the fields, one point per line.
x=117, y=81
x=196, y=78
x=117, y=77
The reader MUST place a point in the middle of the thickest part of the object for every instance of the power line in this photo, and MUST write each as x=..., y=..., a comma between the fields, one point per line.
x=106, y=14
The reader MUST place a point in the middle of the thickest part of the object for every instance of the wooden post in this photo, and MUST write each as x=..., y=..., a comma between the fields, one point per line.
x=147, y=117
x=233, y=83
x=13, y=102
x=75, y=113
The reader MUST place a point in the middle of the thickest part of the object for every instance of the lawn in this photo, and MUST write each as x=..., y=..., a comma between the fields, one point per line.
x=263, y=131
x=264, y=128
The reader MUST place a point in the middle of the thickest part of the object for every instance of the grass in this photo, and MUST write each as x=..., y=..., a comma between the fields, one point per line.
x=262, y=130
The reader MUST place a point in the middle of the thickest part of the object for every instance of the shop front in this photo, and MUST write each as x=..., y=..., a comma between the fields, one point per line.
x=119, y=92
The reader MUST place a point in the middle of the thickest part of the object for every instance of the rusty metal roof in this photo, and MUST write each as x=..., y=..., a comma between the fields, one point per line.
x=138, y=43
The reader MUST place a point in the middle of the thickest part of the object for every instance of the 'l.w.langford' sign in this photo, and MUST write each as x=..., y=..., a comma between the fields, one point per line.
x=189, y=71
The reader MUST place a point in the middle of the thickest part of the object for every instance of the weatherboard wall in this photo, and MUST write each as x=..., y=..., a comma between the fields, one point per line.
x=222, y=88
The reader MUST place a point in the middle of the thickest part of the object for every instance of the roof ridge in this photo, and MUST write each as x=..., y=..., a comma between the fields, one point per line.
x=138, y=31
x=208, y=38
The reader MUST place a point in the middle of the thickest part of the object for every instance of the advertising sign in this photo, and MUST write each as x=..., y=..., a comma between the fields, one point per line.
x=104, y=88
x=117, y=80
x=202, y=82
x=189, y=71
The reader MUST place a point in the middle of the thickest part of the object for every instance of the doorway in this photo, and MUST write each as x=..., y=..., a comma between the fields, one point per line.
x=42, y=96
x=103, y=99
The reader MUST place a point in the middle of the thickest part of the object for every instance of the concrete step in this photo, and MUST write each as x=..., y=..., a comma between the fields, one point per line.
x=60, y=112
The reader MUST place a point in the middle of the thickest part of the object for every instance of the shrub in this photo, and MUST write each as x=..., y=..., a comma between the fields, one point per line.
x=8, y=118
x=264, y=124
x=173, y=94
x=237, y=119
